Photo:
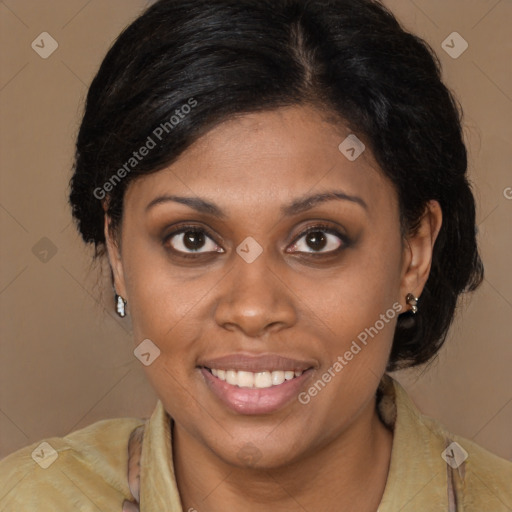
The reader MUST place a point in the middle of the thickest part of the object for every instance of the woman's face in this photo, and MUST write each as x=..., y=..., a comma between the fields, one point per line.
x=265, y=250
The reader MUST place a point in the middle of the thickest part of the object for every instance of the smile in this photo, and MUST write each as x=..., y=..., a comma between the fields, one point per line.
x=259, y=380
x=255, y=393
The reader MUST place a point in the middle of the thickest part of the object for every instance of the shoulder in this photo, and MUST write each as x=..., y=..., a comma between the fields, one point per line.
x=477, y=478
x=481, y=479
x=85, y=470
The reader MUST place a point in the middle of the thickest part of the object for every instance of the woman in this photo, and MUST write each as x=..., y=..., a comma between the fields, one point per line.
x=280, y=189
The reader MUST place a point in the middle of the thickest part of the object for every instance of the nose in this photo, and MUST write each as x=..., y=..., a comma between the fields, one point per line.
x=254, y=299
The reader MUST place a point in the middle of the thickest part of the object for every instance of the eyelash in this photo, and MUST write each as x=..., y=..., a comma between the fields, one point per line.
x=324, y=228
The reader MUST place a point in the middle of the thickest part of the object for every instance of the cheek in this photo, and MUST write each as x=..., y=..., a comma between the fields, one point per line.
x=172, y=307
x=159, y=293
x=354, y=296
x=361, y=326
x=167, y=310
x=357, y=308
x=358, y=321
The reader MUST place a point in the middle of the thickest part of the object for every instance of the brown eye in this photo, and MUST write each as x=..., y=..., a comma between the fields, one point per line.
x=192, y=240
x=321, y=240
x=316, y=240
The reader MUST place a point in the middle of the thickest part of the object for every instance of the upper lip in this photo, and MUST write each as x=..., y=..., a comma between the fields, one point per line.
x=256, y=363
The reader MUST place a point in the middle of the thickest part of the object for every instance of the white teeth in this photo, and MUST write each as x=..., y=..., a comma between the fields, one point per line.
x=245, y=379
x=232, y=377
x=258, y=380
x=263, y=380
x=277, y=378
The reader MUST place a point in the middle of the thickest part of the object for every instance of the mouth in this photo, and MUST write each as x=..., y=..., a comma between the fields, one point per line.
x=255, y=380
x=252, y=385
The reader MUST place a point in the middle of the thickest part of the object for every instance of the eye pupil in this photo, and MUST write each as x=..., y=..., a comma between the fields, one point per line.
x=316, y=240
x=193, y=240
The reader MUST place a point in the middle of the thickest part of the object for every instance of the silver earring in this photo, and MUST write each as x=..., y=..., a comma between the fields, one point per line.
x=413, y=302
x=120, y=305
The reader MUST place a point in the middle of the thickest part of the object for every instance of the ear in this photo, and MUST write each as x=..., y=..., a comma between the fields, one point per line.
x=114, y=257
x=418, y=250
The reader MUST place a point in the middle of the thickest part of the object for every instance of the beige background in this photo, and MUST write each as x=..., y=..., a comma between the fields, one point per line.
x=65, y=358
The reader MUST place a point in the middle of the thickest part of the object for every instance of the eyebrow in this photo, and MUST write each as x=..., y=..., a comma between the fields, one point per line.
x=297, y=206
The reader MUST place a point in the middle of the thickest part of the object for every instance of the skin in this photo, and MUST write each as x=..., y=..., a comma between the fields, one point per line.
x=333, y=453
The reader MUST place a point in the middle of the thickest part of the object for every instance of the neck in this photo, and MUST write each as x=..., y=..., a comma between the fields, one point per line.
x=347, y=474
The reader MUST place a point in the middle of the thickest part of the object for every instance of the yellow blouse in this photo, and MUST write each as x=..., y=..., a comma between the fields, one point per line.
x=431, y=469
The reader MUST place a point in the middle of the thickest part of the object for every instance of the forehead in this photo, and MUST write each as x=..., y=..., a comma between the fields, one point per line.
x=268, y=158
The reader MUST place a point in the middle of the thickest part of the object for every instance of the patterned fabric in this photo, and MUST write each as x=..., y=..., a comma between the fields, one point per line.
x=134, y=457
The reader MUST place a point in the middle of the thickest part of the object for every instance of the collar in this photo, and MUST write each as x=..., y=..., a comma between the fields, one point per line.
x=158, y=488
x=417, y=478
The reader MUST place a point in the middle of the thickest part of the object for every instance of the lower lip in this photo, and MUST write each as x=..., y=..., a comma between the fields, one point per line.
x=255, y=400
